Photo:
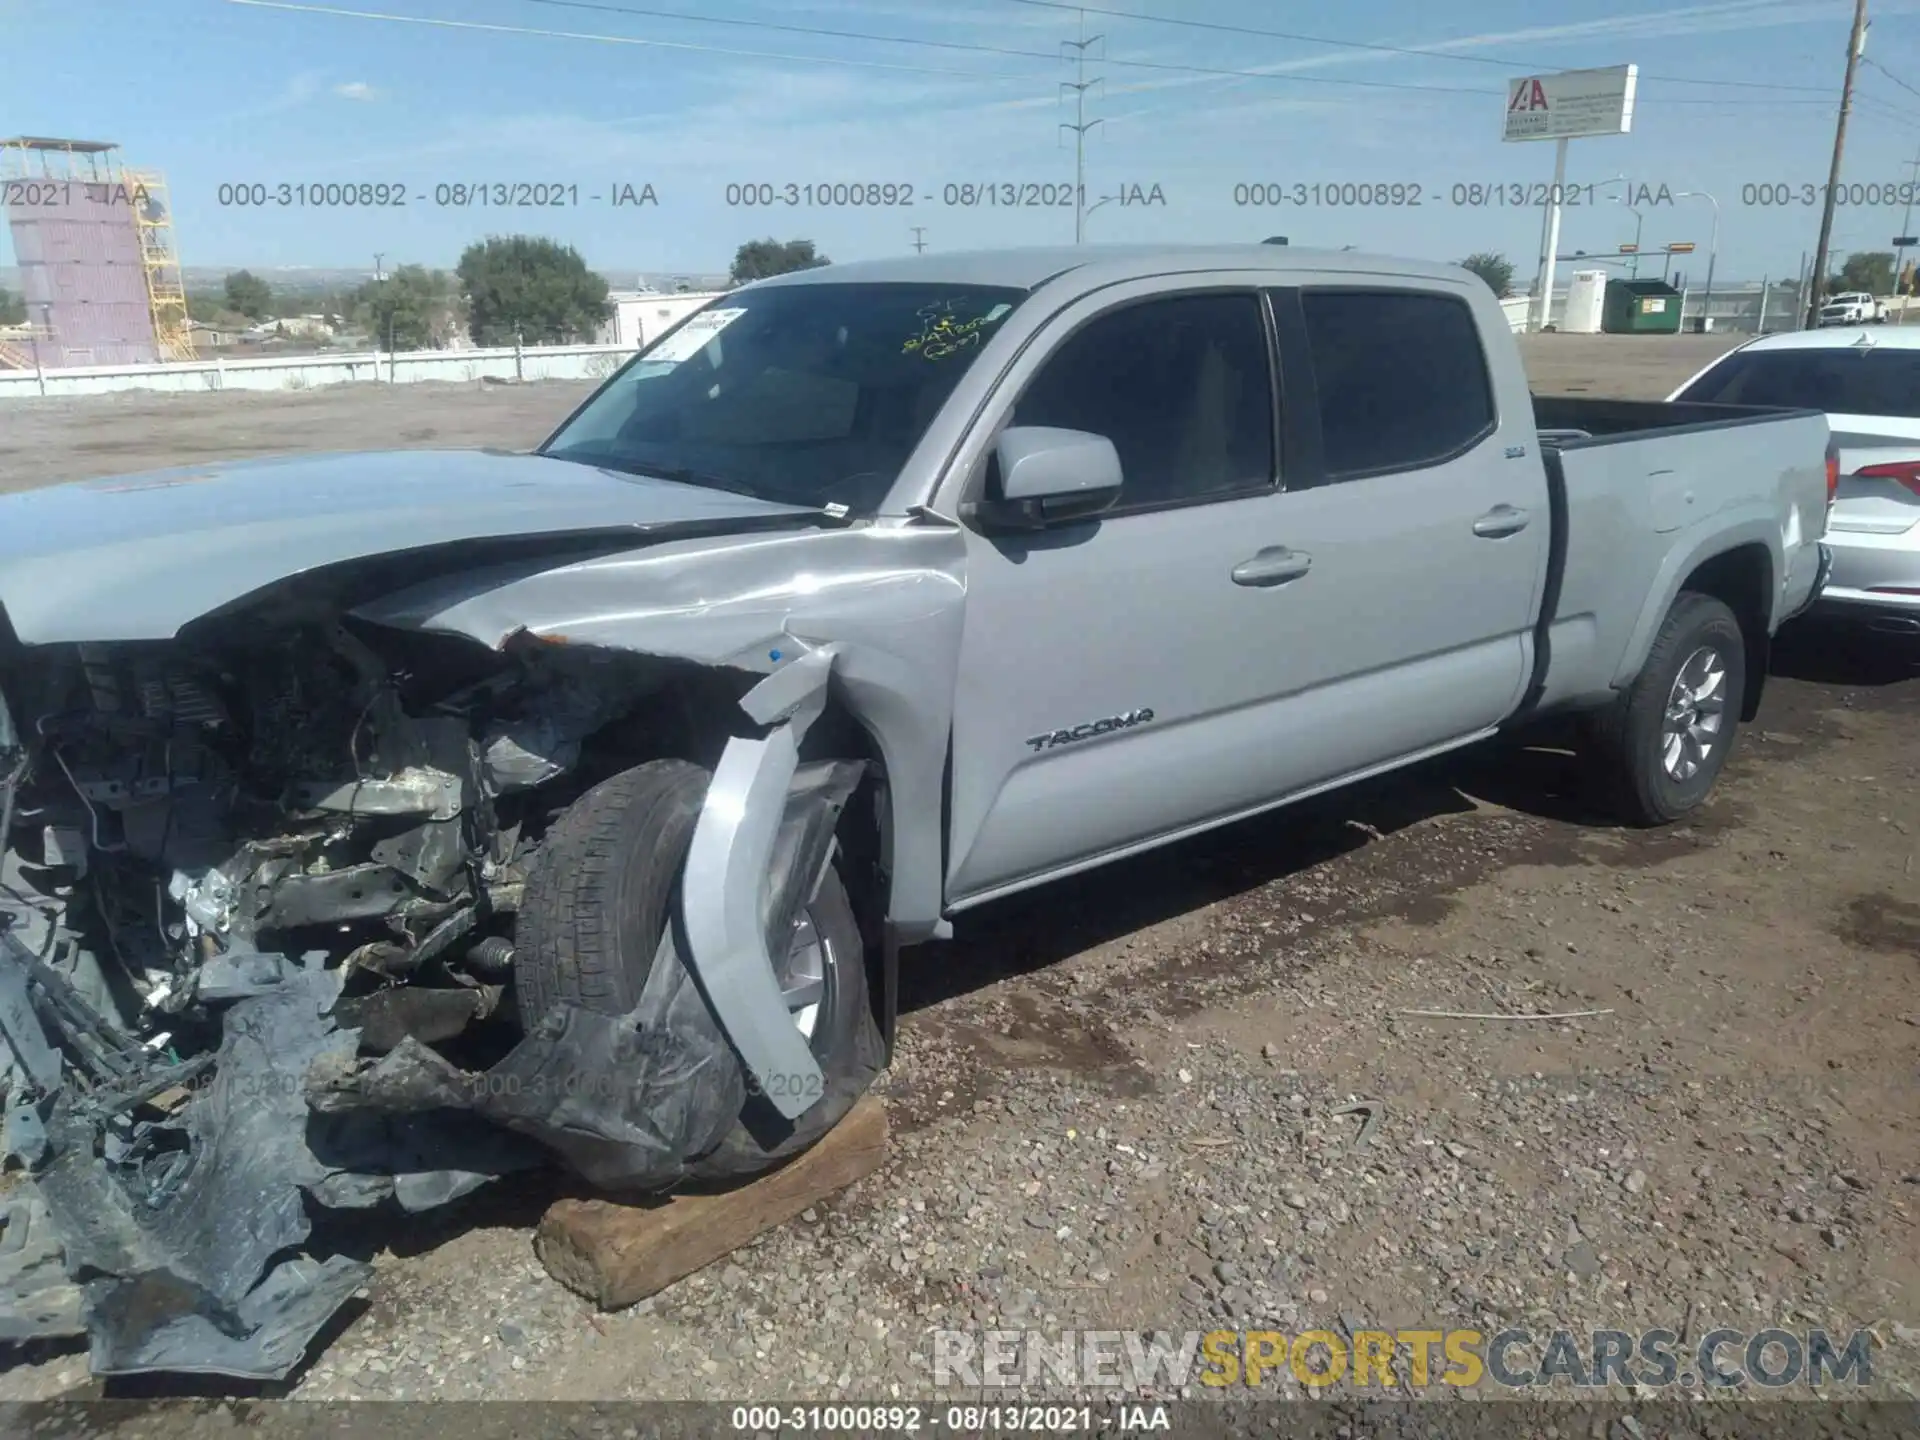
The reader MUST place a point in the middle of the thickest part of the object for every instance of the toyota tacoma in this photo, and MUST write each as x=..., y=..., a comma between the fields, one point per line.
x=378, y=824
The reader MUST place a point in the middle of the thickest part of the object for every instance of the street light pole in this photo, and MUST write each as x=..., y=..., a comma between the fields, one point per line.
x=1639, y=223
x=1713, y=246
x=1906, y=220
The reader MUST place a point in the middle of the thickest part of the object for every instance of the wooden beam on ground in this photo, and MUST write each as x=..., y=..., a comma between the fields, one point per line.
x=617, y=1253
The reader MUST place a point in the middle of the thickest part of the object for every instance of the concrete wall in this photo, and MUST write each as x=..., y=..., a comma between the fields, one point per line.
x=302, y=372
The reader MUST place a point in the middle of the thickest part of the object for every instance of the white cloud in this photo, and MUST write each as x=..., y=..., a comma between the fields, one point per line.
x=354, y=90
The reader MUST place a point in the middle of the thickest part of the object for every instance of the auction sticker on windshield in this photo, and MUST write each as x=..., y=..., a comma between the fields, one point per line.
x=691, y=338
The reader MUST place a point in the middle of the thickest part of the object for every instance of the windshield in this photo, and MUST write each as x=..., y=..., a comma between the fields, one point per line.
x=810, y=394
x=1841, y=381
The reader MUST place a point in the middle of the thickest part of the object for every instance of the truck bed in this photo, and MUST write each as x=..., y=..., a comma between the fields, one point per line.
x=1620, y=470
x=1604, y=418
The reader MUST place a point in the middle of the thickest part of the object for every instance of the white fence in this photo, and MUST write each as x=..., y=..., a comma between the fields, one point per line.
x=304, y=372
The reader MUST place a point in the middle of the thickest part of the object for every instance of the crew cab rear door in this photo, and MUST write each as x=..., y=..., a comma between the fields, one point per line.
x=1422, y=495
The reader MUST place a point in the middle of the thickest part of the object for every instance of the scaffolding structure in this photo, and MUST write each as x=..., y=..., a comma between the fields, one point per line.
x=96, y=247
x=166, y=284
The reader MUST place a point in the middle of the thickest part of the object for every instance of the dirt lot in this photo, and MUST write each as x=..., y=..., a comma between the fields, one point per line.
x=42, y=441
x=1120, y=1102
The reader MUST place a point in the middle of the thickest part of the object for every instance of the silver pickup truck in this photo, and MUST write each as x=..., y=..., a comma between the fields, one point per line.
x=592, y=794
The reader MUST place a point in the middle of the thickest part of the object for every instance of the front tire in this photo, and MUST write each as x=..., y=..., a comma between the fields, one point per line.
x=600, y=894
x=1663, y=743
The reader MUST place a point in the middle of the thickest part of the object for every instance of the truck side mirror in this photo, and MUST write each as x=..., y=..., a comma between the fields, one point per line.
x=1045, y=476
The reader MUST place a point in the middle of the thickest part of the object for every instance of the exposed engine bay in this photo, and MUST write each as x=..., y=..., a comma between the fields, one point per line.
x=192, y=817
x=257, y=904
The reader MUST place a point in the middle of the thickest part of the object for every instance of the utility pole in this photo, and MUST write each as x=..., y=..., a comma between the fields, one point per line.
x=919, y=239
x=1079, y=85
x=380, y=279
x=1900, y=249
x=1856, y=42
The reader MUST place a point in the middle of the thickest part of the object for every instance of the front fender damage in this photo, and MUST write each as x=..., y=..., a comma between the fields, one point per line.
x=189, y=1258
x=179, y=1138
x=726, y=894
x=644, y=1100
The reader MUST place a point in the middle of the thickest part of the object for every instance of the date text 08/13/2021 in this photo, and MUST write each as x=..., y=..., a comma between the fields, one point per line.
x=316, y=194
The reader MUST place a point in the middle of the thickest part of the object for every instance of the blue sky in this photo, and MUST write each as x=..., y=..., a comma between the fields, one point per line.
x=221, y=91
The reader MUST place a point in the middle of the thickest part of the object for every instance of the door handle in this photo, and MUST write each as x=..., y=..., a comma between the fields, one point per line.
x=1275, y=565
x=1501, y=521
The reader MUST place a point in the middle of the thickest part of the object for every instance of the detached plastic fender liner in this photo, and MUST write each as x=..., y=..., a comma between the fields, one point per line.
x=729, y=878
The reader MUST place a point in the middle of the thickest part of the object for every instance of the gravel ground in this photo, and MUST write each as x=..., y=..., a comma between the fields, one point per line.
x=1122, y=1102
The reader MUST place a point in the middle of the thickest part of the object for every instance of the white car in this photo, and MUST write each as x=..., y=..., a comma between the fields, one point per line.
x=1853, y=307
x=1868, y=382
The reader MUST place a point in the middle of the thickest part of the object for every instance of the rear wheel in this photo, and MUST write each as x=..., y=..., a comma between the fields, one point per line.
x=600, y=892
x=1662, y=744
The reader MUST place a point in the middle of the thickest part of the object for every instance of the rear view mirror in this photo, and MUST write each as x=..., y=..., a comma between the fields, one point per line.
x=1047, y=476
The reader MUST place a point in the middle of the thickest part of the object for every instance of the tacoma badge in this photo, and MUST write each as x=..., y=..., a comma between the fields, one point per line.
x=1091, y=729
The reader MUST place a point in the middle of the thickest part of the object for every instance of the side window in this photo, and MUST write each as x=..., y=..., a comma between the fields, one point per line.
x=1401, y=376
x=1182, y=387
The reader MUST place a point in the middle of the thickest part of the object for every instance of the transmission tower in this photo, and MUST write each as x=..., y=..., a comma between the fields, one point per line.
x=1080, y=125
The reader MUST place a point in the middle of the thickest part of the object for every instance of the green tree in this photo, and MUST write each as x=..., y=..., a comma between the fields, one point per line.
x=537, y=290
x=1493, y=268
x=412, y=309
x=249, y=294
x=757, y=259
x=13, y=310
x=1868, y=270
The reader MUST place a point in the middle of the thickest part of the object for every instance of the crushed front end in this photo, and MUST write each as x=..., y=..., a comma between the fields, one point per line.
x=256, y=957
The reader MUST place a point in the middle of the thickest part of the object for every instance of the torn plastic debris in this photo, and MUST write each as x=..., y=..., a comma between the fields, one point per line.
x=647, y=1099
x=37, y=1301
x=179, y=1220
x=174, y=1224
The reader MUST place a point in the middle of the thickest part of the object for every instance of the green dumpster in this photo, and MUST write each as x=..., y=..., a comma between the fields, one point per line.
x=1640, y=307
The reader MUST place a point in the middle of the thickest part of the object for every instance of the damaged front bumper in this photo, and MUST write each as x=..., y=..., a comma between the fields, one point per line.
x=179, y=1189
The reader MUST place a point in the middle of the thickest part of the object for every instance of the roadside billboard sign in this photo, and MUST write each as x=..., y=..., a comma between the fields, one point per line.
x=1571, y=104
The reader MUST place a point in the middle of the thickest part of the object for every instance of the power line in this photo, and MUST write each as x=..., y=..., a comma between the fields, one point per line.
x=1688, y=100
x=972, y=47
x=497, y=29
x=1422, y=52
x=305, y=7
x=1869, y=60
x=1887, y=110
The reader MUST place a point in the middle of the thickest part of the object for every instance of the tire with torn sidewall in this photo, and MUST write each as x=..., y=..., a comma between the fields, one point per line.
x=602, y=891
